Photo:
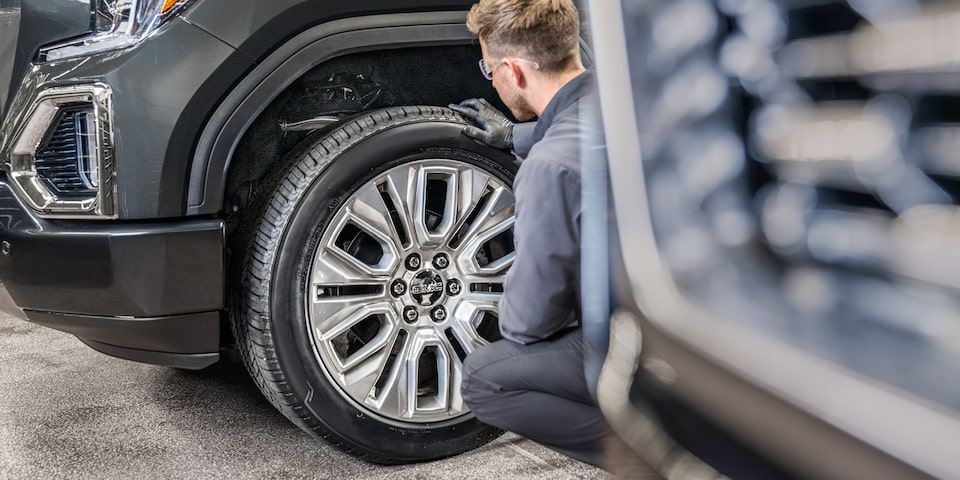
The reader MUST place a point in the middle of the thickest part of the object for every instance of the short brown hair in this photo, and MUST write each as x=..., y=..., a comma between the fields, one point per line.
x=545, y=31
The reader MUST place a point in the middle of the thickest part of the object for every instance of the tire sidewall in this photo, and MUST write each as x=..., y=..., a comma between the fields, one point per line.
x=327, y=191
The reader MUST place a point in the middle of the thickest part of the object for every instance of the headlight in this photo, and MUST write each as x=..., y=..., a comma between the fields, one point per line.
x=117, y=24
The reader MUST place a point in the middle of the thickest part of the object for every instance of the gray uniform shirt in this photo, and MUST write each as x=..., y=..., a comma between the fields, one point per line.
x=542, y=295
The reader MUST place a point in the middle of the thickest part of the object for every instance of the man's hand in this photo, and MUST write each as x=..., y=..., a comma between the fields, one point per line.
x=493, y=128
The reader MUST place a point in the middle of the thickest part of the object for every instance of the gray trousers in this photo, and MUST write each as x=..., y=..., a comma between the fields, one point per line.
x=538, y=391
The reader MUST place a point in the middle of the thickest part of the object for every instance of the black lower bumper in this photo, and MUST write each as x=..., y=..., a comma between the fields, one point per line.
x=183, y=341
x=149, y=292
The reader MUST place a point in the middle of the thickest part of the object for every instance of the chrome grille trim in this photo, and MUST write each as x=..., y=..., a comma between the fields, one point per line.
x=37, y=183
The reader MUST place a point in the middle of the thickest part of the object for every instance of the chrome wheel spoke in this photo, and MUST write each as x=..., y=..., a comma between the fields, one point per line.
x=419, y=384
x=362, y=241
x=391, y=396
x=484, y=207
x=435, y=209
x=367, y=377
x=338, y=284
x=334, y=266
x=407, y=189
x=352, y=337
x=467, y=316
x=489, y=251
x=372, y=205
x=397, y=188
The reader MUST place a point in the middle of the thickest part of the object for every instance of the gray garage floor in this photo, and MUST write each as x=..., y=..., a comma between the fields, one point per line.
x=69, y=412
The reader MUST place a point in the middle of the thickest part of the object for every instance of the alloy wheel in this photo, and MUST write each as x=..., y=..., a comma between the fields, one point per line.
x=405, y=282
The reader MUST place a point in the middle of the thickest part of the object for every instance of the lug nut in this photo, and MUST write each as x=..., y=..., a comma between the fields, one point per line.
x=454, y=287
x=410, y=314
x=441, y=261
x=398, y=288
x=414, y=261
x=438, y=314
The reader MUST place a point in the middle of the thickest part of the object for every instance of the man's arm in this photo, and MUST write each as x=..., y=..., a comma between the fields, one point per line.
x=540, y=296
x=523, y=139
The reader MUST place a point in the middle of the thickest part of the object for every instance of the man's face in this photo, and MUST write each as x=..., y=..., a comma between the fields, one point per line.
x=506, y=86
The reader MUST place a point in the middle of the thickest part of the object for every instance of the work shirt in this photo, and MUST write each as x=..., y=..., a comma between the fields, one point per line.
x=541, y=293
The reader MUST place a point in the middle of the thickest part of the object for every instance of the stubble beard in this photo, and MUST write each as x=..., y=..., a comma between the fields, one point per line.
x=519, y=106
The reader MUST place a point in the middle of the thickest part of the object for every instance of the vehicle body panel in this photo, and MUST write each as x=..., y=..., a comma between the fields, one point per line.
x=31, y=25
x=252, y=27
x=150, y=284
x=9, y=31
x=141, y=269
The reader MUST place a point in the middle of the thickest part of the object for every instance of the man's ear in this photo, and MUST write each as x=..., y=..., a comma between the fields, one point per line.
x=517, y=74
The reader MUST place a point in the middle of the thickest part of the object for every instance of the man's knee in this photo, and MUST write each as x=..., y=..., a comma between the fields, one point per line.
x=474, y=384
x=481, y=369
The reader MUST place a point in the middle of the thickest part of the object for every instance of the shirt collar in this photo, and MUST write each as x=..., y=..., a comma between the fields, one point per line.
x=574, y=90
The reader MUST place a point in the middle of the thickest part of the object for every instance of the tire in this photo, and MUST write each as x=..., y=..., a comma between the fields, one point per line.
x=325, y=279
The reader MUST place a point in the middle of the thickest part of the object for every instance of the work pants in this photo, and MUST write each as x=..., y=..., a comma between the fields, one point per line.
x=538, y=391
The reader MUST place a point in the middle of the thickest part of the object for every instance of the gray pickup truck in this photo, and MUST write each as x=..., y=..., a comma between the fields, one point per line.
x=179, y=177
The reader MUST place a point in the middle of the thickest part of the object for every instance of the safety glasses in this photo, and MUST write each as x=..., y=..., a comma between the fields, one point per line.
x=487, y=70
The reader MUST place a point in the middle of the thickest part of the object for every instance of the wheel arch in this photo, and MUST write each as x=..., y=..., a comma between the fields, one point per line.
x=243, y=107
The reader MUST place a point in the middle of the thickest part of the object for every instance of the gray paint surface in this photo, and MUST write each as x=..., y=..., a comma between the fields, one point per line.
x=9, y=28
x=67, y=411
x=39, y=23
x=252, y=26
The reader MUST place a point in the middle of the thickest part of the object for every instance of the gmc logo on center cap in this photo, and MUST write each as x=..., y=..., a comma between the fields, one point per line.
x=426, y=288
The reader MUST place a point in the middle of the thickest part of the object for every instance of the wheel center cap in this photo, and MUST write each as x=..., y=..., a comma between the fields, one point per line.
x=426, y=287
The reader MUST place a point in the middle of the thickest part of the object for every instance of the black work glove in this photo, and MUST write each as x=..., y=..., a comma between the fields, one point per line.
x=492, y=127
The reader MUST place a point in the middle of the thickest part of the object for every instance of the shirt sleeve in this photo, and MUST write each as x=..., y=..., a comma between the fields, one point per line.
x=540, y=294
x=523, y=139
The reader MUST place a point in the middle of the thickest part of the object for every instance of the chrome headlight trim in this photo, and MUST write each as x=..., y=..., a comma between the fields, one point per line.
x=31, y=188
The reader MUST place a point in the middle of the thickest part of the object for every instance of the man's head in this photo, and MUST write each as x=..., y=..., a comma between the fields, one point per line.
x=524, y=40
x=544, y=31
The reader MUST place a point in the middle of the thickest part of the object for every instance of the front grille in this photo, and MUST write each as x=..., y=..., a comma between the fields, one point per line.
x=64, y=159
x=801, y=160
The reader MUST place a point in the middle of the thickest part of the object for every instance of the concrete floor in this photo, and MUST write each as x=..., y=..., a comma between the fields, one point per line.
x=67, y=411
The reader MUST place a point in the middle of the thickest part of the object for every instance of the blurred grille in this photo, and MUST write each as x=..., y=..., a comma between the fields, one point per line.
x=818, y=18
x=867, y=149
x=64, y=159
x=802, y=160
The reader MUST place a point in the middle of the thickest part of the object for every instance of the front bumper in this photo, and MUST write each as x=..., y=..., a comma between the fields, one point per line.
x=149, y=292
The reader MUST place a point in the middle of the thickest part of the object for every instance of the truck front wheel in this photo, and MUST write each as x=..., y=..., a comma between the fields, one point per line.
x=372, y=264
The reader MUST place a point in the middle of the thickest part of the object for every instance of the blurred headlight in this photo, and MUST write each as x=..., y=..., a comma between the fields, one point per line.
x=117, y=24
